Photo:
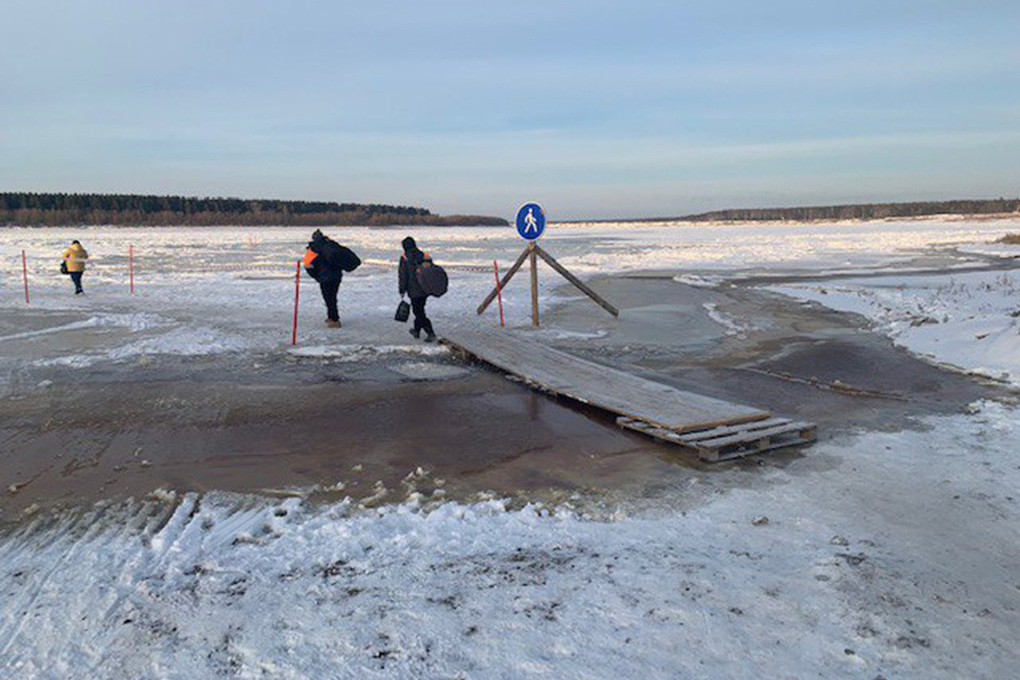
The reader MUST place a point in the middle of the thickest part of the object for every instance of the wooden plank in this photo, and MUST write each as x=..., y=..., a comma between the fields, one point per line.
x=502, y=284
x=651, y=430
x=753, y=435
x=580, y=285
x=764, y=445
x=694, y=437
x=601, y=386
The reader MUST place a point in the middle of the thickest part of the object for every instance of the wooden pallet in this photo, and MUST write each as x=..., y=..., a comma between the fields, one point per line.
x=715, y=444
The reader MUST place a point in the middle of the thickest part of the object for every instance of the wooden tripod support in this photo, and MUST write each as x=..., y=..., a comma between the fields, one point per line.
x=532, y=253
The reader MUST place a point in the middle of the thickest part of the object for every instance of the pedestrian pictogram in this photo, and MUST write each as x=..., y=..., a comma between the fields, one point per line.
x=530, y=221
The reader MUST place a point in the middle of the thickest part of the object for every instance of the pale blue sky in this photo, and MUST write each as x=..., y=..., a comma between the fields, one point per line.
x=594, y=109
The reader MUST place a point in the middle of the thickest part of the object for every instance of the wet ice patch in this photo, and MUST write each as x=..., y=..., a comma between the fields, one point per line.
x=970, y=321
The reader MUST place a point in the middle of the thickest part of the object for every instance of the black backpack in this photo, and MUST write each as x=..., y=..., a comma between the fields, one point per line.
x=431, y=277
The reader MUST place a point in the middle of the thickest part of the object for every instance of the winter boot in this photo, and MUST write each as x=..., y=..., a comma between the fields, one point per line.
x=333, y=324
x=431, y=337
x=415, y=333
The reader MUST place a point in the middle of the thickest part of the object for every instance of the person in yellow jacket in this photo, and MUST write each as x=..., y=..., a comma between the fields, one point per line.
x=75, y=257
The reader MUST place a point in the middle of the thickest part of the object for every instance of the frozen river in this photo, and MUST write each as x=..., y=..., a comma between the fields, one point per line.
x=188, y=496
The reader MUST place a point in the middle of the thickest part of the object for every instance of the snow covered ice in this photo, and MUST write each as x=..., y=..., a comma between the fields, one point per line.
x=887, y=551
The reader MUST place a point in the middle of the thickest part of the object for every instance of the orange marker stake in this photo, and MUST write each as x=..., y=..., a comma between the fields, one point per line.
x=24, y=274
x=297, y=297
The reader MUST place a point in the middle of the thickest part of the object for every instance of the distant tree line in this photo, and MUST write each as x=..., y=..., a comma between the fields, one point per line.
x=42, y=209
x=865, y=211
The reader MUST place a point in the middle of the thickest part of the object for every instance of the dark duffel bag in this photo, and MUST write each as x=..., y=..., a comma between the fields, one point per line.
x=63, y=267
x=349, y=261
x=432, y=278
x=403, y=311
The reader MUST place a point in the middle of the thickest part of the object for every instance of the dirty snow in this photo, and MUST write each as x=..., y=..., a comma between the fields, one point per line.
x=732, y=324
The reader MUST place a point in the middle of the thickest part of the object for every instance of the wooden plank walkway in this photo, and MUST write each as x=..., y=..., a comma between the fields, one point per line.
x=716, y=429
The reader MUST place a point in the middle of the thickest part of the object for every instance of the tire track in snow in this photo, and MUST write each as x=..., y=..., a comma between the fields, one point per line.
x=8, y=636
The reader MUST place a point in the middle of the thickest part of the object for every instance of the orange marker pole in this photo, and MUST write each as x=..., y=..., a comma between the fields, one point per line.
x=499, y=293
x=24, y=273
x=297, y=297
x=131, y=267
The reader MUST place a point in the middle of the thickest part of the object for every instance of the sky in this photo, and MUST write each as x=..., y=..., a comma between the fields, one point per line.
x=594, y=109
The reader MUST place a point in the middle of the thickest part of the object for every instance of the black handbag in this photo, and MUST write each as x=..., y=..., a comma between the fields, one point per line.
x=403, y=311
x=63, y=267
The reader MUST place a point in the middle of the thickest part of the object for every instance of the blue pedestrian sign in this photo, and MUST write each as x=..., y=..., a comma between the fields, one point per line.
x=530, y=221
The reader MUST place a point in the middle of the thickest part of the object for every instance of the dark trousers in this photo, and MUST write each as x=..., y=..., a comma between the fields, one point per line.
x=421, y=322
x=76, y=278
x=329, y=288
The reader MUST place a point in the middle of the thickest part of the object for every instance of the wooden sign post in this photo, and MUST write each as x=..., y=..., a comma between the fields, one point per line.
x=533, y=257
x=499, y=294
x=530, y=225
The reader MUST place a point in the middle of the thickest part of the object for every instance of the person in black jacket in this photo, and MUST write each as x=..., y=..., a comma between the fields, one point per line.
x=409, y=285
x=323, y=263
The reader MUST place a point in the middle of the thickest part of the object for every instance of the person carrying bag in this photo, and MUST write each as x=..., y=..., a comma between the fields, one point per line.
x=73, y=264
x=417, y=278
x=326, y=261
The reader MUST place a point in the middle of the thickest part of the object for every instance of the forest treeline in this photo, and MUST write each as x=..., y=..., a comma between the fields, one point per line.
x=863, y=211
x=42, y=209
